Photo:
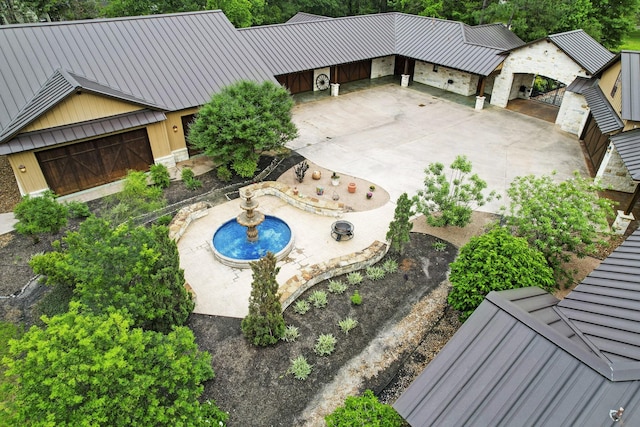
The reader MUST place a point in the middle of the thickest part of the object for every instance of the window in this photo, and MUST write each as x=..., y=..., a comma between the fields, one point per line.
x=435, y=68
x=614, y=90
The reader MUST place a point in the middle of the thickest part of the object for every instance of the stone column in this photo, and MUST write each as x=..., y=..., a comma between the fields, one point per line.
x=622, y=222
x=404, y=81
x=480, y=102
x=335, y=89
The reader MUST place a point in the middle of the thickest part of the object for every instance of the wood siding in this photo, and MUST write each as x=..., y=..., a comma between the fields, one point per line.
x=297, y=82
x=354, y=71
x=177, y=140
x=80, y=108
x=596, y=143
x=31, y=181
x=83, y=165
x=607, y=82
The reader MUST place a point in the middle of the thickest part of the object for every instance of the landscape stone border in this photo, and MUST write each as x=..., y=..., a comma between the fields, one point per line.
x=302, y=202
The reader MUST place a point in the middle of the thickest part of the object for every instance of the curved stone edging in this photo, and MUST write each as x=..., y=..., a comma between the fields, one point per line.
x=305, y=203
x=184, y=217
x=316, y=273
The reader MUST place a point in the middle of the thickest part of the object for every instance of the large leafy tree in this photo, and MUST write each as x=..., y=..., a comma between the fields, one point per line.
x=242, y=121
x=264, y=325
x=130, y=268
x=495, y=261
x=64, y=10
x=241, y=13
x=116, y=8
x=558, y=218
x=617, y=18
x=83, y=370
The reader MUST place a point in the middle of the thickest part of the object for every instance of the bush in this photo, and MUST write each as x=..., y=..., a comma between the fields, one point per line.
x=77, y=209
x=337, y=287
x=189, y=179
x=364, y=411
x=39, y=215
x=164, y=220
x=223, y=173
x=291, y=333
x=558, y=218
x=495, y=261
x=160, y=175
x=449, y=200
x=325, y=345
x=439, y=246
x=356, y=299
x=347, y=324
x=300, y=368
x=136, y=198
x=301, y=306
x=375, y=273
x=264, y=325
x=354, y=278
x=318, y=299
x=400, y=228
x=390, y=266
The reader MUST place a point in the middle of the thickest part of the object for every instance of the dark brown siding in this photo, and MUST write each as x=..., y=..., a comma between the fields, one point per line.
x=186, y=123
x=595, y=142
x=354, y=71
x=99, y=161
x=297, y=82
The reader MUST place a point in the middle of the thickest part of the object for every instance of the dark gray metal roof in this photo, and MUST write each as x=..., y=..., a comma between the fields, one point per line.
x=583, y=49
x=628, y=146
x=630, y=85
x=176, y=61
x=306, y=45
x=580, y=84
x=288, y=48
x=511, y=365
x=606, y=117
x=495, y=35
x=305, y=17
x=59, y=135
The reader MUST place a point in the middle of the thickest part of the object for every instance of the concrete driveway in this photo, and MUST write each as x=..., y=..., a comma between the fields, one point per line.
x=389, y=134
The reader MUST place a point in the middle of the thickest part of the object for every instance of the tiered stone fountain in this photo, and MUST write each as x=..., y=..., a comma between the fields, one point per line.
x=251, y=235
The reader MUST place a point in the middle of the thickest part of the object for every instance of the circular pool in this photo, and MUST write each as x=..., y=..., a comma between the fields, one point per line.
x=231, y=247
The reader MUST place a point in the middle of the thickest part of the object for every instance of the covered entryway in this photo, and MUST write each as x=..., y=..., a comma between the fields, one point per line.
x=83, y=165
x=404, y=65
x=186, y=124
x=595, y=143
x=536, y=96
x=297, y=82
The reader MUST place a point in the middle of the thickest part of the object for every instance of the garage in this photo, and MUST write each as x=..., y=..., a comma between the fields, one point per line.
x=354, y=71
x=297, y=82
x=595, y=142
x=84, y=165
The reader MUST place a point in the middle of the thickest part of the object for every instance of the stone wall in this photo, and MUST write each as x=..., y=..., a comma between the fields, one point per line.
x=543, y=58
x=573, y=113
x=295, y=286
x=186, y=216
x=461, y=83
x=317, y=72
x=305, y=203
x=381, y=67
x=613, y=174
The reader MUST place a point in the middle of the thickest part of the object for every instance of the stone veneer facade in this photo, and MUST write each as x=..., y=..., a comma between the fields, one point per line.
x=461, y=83
x=381, y=67
x=613, y=174
x=573, y=113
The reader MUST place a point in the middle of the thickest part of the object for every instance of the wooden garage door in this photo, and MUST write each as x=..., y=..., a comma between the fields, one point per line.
x=87, y=164
x=596, y=143
x=297, y=82
x=354, y=71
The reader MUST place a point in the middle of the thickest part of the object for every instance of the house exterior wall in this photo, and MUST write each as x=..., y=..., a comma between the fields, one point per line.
x=177, y=143
x=543, y=58
x=631, y=125
x=573, y=113
x=607, y=82
x=80, y=108
x=384, y=66
x=463, y=83
x=32, y=181
x=160, y=146
x=317, y=72
x=613, y=173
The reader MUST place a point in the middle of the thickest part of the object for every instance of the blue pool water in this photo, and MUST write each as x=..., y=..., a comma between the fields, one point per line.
x=231, y=241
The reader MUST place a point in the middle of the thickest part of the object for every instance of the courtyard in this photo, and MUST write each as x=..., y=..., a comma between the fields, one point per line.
x=385, y=135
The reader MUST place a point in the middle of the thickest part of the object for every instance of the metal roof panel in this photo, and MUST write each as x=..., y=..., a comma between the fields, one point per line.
x=630, y=85
x=604, y=114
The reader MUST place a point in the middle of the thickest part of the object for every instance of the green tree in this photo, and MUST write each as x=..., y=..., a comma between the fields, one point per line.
x=364, y=411
x=558, y=218
x=136, y=198
x=264, y=325
x=241, y=13
x=86, y=370
x=617, y=18
x=242, y=121
x=400, y=228
x=40, y=215
x=136, y=269
x=450, y=200
x=63, y=10
x=495, y=261
x=116, y=8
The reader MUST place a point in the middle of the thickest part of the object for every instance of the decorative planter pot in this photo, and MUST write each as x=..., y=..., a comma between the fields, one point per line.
x=295, y=191
x=335, y=181
x=369, y=195
x=351, y=187
x=316, y=175
x=319, y=191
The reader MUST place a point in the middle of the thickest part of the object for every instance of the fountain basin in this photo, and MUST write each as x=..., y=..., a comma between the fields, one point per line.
x=231, y=247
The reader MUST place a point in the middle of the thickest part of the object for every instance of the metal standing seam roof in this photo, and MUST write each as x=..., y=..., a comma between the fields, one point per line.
x=628, y=146
x=306, y=17
x=495, y=35
x=630, y=85
x=583, y=49
x=176, y=61
x=84, y=130
x=301, y=46
x=525, y=359
x=580, y=84
x=606, y=117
